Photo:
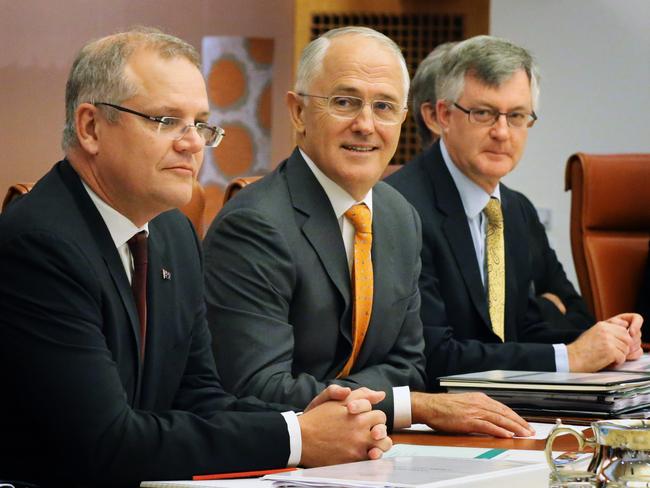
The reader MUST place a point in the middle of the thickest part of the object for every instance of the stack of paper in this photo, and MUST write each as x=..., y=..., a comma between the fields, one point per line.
x=418, y=472
x=605, y=394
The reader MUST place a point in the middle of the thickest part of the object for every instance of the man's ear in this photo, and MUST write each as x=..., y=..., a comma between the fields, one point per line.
x=87, y=127
x=296, y=111
x=443, y=113
x=428, y=113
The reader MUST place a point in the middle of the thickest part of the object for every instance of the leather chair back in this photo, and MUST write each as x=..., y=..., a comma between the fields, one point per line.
x=237, y=184
x=16, y=191
x=195, y=208
x=610, y=227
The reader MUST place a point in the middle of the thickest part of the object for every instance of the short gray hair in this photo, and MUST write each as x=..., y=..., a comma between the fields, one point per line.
x=97, y=74
x=311, y=59
x=491, y=60
x=423, y=88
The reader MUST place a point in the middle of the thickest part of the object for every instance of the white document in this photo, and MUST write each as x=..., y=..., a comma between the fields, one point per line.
x=417, y=472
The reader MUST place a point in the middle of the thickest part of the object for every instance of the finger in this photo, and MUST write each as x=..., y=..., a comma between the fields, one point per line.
x=372, y=396
x=516, y=421
x=618, y=321
x=359, y=406
x=375, y=453
x=384, y=444
x=372, y=418
x=337, y=392
x=630, y=318
x=636, y=354
x=510, y=424
x=379, y=432
x=486, y=427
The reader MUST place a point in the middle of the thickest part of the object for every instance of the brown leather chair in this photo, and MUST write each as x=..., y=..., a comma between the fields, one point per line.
x=237, y=184
x=15, y=191
x=610, y=227
x=194, y=209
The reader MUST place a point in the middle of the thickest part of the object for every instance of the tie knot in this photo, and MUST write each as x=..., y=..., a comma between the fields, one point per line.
x=493, y=212
x=138, y=246
x=359, y=215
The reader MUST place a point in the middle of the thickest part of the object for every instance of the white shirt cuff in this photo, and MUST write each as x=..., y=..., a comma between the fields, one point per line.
x=295, y=438
x=401, y=407
x=561, y=358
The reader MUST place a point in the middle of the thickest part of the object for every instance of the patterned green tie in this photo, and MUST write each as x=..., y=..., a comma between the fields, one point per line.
x=496, y=268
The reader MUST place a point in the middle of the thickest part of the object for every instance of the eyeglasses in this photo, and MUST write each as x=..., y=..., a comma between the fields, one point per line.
x=349, y=107
x=486, y=116
x=175, y=128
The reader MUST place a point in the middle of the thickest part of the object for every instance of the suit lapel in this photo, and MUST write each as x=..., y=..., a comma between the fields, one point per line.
x=107, y=248
x=320, y=226
x=456, y=229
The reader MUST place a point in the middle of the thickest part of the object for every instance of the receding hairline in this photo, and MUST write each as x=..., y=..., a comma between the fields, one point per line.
x=342, y=37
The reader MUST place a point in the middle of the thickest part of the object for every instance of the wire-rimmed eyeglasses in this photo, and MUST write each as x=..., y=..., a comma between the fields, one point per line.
x=175, y=128
x=349, y=107
x=487, y=116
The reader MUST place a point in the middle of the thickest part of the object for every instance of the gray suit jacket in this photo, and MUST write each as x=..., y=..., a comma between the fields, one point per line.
x=279, y=297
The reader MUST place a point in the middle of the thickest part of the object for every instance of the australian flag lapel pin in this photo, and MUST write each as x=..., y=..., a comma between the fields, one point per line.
x=166, y=275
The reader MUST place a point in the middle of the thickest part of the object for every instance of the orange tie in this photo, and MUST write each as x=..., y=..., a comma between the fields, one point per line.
x=362, y=280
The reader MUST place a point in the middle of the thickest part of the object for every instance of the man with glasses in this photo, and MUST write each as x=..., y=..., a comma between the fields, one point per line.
x=325, y=290
x=477, y=312
x=107, y=374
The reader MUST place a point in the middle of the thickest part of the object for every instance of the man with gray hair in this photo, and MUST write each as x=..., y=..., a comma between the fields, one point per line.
x=326, y=291
x=556, y=297
x=423, y=95
x=107, y=370
x=476, y=308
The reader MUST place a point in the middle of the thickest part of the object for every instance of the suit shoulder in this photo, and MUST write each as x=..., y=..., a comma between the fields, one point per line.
x=410, y=172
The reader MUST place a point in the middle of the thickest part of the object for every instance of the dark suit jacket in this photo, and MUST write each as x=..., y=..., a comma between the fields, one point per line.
x=548, y=276
x=457, y=328
x=643, y=302
x=279, y=297
x=78, y=407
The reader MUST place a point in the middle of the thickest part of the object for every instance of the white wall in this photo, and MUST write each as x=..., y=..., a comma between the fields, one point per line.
x=594, y=57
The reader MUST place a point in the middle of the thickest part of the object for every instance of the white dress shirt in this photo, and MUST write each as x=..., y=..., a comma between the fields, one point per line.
x=474, y=200
x=121, y=230
x=341, y=202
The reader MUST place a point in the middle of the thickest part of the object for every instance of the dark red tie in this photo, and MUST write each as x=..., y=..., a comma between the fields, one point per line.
x=138, y=247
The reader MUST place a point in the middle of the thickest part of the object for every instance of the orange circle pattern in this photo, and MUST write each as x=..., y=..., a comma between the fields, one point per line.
x=227, y=83
x=260, y=50
x=234, y=156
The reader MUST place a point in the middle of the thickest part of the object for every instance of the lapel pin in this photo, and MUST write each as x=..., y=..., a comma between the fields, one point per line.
x=166, y=275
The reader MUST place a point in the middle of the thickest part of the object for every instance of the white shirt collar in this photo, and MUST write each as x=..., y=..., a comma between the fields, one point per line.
x=474, y=198
x=340, y=199
x=119, y=226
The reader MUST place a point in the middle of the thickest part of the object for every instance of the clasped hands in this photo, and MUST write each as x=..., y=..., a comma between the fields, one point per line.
x=340, y=426
x=608, y=342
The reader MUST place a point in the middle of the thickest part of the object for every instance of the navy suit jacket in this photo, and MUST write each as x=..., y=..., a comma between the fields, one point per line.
x=457, y=327
x=79, y=406
x=279, y=297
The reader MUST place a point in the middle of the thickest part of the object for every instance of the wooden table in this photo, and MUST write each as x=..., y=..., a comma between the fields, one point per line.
x=562, y=443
